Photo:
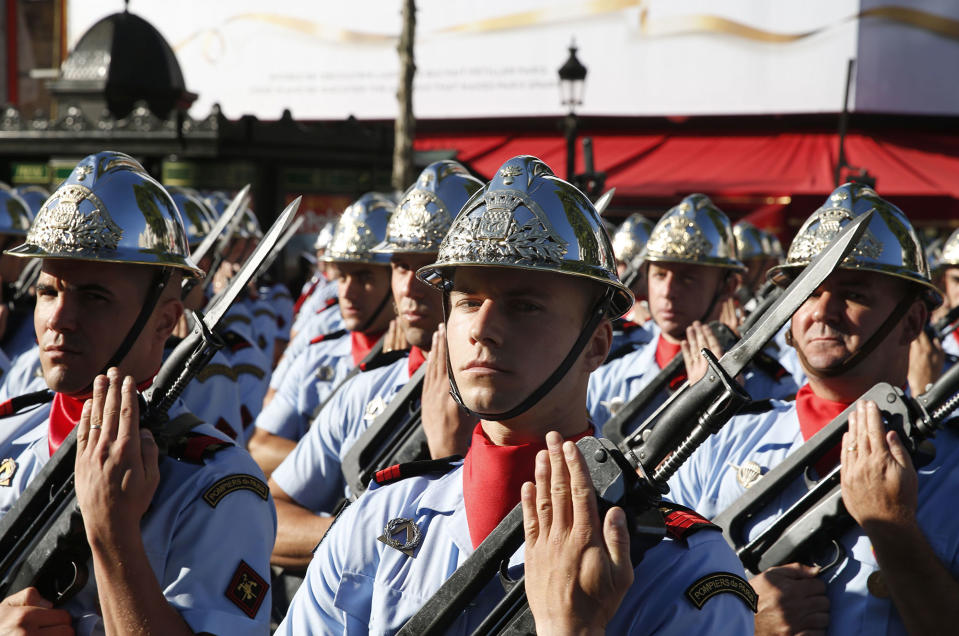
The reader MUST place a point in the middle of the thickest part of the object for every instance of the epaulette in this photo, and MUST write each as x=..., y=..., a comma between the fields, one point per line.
x=682, y=521
x=756, y=407
x=412, y=469
x=384, y=359
x=329, y=303
x=770, y=366
x=193, y=448
x=333, y=335
x=16, y=404
x=235, y=342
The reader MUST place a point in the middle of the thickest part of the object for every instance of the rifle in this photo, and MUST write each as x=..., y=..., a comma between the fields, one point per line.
x=947, y=324
x=820, y=517
x=42, y=541
x=617, y=482
x=653, y=394
x=626, y=481
x=230, y=216
x=395, y=436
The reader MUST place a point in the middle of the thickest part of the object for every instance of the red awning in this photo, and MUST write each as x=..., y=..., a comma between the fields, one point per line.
x=794, y=171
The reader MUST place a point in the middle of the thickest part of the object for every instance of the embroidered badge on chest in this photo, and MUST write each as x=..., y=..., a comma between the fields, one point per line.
x=8, y=468
x=403, y=535
x=747, y=474
x=374, y=408
x=247, y=589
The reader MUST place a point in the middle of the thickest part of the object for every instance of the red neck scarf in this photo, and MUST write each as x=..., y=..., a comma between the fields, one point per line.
x=361, y=343
x=955, y=334
x=814, y=413
x=492, y=477
x=65, y=414
x=665, y=351
x=416, y=360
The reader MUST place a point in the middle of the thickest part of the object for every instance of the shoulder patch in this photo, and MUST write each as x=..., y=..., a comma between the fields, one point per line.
x=247, y=589
x=412, y=469
x=682, y=521
x=232, y=483
x=264, y=311
x=229, y=320
x=721, y=583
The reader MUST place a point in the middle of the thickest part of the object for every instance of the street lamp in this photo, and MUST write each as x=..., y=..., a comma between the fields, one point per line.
x=572, y=78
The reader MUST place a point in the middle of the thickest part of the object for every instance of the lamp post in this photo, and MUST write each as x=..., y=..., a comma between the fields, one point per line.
x=572, y=77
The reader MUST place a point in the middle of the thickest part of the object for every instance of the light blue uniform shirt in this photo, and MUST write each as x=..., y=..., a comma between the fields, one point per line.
x=358, y=585
x=194, y=548
x=708, y=481
x=308, y=382
x=312, y=473
x=329, y=322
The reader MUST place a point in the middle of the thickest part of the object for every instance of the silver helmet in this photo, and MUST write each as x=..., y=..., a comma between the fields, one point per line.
x=15, y=214
x=695, y=232
x=751, y=245
x=324, y=236
x=949, y=256
x=630, y=238
x=194, y=213
x=426, y=211
x=361, y=228
x=889, y=245
x=110, y=210
x=527, y=218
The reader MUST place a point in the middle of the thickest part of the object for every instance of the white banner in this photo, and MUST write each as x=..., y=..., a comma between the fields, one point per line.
x=325, y=60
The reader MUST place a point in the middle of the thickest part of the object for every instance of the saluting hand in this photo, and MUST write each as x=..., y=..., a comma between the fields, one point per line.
x=577, y=571
x=448, y=427
x=879, y=484
x=698, y=337
x=117, y=469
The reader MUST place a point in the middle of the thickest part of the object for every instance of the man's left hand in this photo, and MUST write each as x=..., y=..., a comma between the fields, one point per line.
x=577, y=571
x=879, y=484
x=117, y=471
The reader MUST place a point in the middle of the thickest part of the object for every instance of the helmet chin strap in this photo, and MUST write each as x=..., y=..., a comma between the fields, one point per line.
x=379, y=309
x=158, y=284
x=862, y=352
x=594, y=317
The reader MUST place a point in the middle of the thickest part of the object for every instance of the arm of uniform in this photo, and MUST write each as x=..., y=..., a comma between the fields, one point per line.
x=207, y=537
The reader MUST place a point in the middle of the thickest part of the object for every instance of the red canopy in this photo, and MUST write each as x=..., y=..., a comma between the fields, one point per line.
x=774, y=176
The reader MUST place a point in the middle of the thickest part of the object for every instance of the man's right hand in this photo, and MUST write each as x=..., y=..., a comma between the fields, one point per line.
x=792, y=600
x=26, y=612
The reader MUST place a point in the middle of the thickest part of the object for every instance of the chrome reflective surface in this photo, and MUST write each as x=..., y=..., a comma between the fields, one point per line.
x=528, y=218
x=361, y=228
x=695, y=231
x=751, y=245
x=425, y=213
x=889, y=245
x=15, y=216
x=109, y=209
x=631, y=237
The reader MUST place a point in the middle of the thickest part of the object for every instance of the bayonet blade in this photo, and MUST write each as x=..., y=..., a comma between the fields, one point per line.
x=289, y=234
x=238, y=203
x=603, y=202
x=252, y=265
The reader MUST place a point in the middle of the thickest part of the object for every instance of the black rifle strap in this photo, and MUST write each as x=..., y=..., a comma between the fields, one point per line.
x=159, y=283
